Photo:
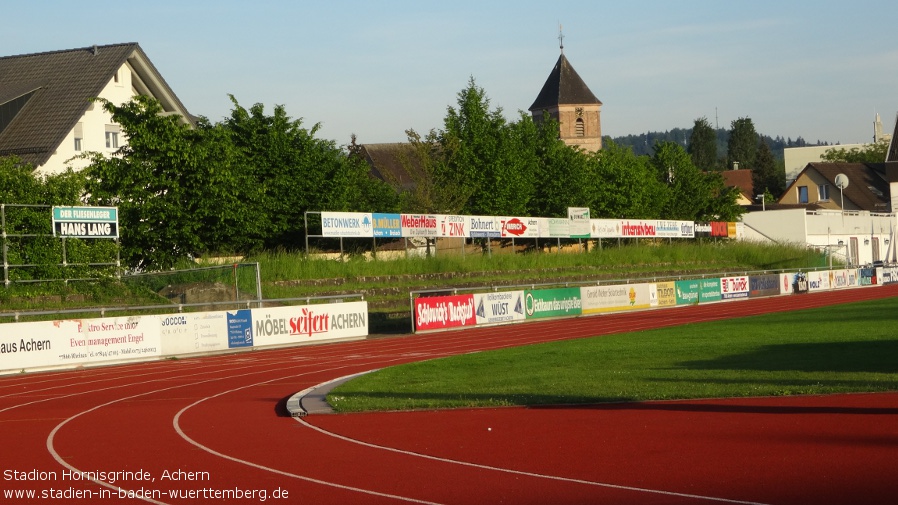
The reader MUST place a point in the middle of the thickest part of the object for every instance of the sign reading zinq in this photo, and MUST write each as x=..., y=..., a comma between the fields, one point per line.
x=85, y=222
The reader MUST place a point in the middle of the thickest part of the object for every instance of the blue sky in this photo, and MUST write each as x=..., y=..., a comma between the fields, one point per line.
x=819, y=70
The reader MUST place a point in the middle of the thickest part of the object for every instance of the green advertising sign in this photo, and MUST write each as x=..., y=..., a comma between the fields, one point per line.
x=687, y=292
x=709, y=290
x=552, y=302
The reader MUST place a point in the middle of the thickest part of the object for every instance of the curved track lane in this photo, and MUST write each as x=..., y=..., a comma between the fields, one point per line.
x=211, y=428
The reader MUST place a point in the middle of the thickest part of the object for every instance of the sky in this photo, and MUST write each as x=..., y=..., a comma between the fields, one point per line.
x=820, y=70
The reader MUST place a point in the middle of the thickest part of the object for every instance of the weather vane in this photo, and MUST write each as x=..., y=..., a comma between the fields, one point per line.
x=560, y=38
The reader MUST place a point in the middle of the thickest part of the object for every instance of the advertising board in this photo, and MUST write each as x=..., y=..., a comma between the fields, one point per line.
x=499, y=307
x=441, y=312
x=552, y=302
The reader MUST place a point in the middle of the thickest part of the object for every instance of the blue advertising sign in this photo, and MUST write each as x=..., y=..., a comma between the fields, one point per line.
x=387, y=225
x=240, y=328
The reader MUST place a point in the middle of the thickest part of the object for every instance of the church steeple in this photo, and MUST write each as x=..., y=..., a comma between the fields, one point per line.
x=569, y=101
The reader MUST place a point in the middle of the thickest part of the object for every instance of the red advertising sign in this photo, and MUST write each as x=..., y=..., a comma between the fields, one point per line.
x=438, y=312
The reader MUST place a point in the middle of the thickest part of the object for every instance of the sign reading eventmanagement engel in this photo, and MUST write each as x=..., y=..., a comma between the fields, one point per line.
x=77, y=342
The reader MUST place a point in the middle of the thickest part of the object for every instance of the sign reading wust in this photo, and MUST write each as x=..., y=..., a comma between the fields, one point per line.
x=85, y=222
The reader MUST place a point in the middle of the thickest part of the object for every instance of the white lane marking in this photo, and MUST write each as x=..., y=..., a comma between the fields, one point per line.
x=520, y=472
x=177, y=426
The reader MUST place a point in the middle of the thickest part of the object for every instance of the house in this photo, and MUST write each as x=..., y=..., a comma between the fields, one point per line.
x=796, y=158
x=741, y=180
x=47, y=112
x=843, y=186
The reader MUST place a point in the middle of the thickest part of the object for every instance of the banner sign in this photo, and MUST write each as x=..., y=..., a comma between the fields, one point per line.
x=667, y=293
x=554, y=227
x=866, y=276
x=519, y=227
x=240, y=328
x=417, y=225
x=889, y=275
x=500, y=307
x=687, y=292
x=193, y=332
x=709, y=290
x=387, y=225
x=579, y=222
x=346, y=224
x=306, y=323
x=619, y=297
x=552, y=302
x=763, y=285
x=484, y=226
x=440, y=312
x=452, y=225
x=78, y=341
x=604, y=228
x=638, y=229
x=85, y=222
x=734, y=287
x=715, y=229
x=818, y=281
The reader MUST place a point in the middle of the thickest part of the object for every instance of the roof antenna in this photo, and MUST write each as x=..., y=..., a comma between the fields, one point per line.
x=560, y=38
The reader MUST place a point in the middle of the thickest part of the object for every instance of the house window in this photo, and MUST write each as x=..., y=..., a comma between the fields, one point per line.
x=581, y=128
x=802, y=194
x=823, y=189
x=79, y=134
x=112, y=131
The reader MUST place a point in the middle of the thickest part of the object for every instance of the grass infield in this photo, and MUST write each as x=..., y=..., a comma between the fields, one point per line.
x=838, y=349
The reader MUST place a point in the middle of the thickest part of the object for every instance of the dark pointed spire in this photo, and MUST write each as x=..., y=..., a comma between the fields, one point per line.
x=564, y=86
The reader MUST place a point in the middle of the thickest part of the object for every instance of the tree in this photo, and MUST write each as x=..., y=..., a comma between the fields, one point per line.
x=703, y=145
x=693, y=195
x=171, y=184
x=627, y=185
x=485, y=157
x=765, y=175
x=566, y=174
x=870, y=153
x=293, y=172
x=742, y=147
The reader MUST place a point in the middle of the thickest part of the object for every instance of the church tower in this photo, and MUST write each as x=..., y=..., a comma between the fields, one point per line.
x=569, y=101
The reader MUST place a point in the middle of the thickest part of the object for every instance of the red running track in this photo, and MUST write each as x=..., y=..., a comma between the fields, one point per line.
x=214, y=430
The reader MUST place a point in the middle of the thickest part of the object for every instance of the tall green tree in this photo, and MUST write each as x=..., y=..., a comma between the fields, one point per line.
x=703, y=145
x=627, y=184
x=693, y=195
x=742, y=146
x=765, y=175
x=566, y=175
x=173, y=185
x=485, y=156
x=292, y=171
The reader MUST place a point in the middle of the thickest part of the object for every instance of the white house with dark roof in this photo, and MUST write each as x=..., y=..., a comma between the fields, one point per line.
x=47, y=112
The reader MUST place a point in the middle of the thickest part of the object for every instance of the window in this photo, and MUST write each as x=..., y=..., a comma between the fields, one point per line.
x=79, y=134
x=802, y=194
x=823, y=189
x=581, y=128
x=112, y=131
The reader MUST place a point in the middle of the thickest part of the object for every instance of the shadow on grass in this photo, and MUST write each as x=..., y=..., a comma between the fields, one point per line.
x=877, y=356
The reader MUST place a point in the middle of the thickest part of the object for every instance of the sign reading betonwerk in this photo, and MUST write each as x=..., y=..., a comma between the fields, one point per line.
x=85, y=222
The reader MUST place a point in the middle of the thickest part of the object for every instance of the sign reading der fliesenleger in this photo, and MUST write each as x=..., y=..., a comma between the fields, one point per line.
x=85, y=222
